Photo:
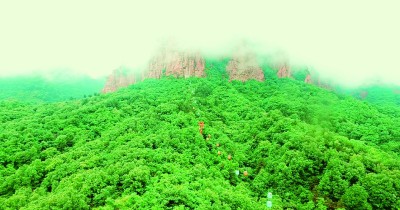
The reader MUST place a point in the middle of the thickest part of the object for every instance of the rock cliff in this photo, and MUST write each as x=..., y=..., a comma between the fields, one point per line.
x=168, y=62
x=308, y=79
x=317, y=81
x=244, y=66
x=280, y=63
x=284, y=71
x=118, y=79
x=172, y=62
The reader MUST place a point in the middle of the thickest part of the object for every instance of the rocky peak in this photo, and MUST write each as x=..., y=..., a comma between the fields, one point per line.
x=284, y=71
x=308, y=79
x=312, y=77
x=168, y=61
x=118, y=79
x=172, y=62
x=280, y=63
x=244, y=66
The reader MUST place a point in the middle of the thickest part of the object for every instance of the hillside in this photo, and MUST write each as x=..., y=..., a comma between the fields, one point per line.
x=381, y=95
x=142, y=148
x=40, y=89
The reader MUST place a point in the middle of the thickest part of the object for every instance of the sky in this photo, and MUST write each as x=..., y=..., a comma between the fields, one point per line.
x=352, y=42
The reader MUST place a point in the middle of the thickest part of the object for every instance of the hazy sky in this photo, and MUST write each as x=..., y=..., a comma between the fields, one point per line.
x=352, y=41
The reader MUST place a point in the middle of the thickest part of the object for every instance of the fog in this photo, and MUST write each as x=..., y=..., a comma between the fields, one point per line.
x=350, y=42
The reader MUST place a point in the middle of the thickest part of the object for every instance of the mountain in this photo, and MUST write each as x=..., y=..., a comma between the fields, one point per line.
x=120, y=78
x=201, y=143
x=174, y=62
x=376, y=94
x=41, y=89
x=244, y=64
x=169, y=61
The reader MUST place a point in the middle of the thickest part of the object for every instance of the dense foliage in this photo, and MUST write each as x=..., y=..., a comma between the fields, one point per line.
x=380, y=95
x=141, y=148
x=39, y=89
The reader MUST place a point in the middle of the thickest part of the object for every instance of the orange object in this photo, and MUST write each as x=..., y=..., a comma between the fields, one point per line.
x=229, y=157
x=219, y=152
x=217, y=145
x=201, y=127
x=245, y=173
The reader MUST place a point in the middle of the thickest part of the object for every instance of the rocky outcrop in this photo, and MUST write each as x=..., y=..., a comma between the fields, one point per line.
x=186, y=65
x=280, y=63
x=284, y=71
x=172, y=62
x=308, y=79
x=168, y=62
x=244, y=66
x=118, y=79
x=313, y=78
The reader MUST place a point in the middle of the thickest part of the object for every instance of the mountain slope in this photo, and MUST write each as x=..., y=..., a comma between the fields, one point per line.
x=39, y=89
x=141, y=148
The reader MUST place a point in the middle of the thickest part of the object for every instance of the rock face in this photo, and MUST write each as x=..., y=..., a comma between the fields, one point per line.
x=118, y=79
x=314, y=79
x=308, y=79
x=284, y=71
x=244, y=66
x=280, y=62
x=171, y=62
x=168, y=62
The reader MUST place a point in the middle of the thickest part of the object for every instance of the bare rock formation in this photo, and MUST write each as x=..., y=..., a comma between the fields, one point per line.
x=308, y=79
x=244, y=66
x=284, y=71
x=280, y=63
x=169, y=62
x=118, y=79
x=185, y=65
x=172, y=62
x=316, y=80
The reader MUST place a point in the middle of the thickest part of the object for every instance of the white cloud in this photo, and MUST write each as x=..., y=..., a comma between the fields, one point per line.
x=349, y=41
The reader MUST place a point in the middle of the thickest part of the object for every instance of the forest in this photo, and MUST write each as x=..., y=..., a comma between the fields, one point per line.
x=201, y=143
x=39, y=89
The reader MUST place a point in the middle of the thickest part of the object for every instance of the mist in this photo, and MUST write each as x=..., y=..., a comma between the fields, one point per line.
x=352, y=43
